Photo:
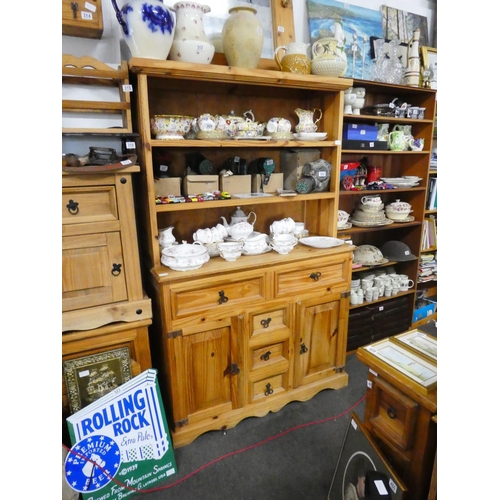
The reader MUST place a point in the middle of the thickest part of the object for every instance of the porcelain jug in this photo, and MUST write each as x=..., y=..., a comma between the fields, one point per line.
x=148, y=26
x=397, y=140
x=166, y=237
x=293, y=58
x=307, y=123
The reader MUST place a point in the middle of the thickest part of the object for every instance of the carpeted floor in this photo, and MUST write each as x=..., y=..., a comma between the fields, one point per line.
x=288, y=455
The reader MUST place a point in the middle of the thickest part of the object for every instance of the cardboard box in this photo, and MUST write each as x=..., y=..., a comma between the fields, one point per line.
x=422, y=312
x=360, y=132
x=292, y=162
x=168, y=186
x=197, y=184
x=275, y=182
x=235, y=184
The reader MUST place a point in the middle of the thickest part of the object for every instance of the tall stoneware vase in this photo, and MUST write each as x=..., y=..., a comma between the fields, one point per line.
x=412, y=73
x=190, y=43
x=243, y=38
x=148, y=27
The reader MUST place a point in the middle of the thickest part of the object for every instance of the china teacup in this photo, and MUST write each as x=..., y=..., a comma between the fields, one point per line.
x=286, y=225
x=371, y=200
x=285, y=239
x=282, y=248
x=230, y=250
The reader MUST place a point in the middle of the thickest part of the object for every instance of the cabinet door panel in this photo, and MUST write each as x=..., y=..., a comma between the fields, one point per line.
x=207, y=372
x=316, y=340
x=92, y=271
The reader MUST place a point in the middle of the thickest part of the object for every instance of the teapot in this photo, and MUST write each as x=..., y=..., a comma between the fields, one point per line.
x=307, y=123
x=240, y=230
x=240, y=216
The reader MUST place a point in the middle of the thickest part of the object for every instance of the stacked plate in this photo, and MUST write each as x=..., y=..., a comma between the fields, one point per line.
x=369, y=216
x=406, y=181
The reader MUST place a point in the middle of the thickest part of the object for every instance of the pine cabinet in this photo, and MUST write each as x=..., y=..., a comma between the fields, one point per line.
x=243, y=338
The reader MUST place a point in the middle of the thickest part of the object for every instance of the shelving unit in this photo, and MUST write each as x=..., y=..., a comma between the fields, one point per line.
x=218, y=361
x=362, y=325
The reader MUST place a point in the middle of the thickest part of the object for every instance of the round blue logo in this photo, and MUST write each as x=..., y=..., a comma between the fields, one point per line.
x=92, y=463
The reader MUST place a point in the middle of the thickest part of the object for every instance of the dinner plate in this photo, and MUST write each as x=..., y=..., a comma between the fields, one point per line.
x=311, y=136
x=321, y=241
x=386, y=222
x=258, y=138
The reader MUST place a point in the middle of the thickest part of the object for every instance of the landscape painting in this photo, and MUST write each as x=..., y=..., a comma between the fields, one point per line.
x=358, y=25
x=399, y=24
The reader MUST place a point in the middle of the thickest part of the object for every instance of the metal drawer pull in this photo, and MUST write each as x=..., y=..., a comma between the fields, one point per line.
x=392, y=412
x=303, y=348
x=268, y=390
x=315, y=276
x=222, y=297
x=265, y=322
x=266, y=356
x=72, y=207
x=235, y=370
x=117, y=269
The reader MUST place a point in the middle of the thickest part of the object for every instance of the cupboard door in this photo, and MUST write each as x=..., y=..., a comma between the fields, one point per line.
x=203, y=375
x=316, y=340
x=92, y=271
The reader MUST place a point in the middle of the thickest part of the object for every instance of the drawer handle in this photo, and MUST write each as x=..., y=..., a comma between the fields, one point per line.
x=303, y=348
x=235, y=370
x=268, y=390
x=266, y=356
x=222, y=297
x=117, y=269
x=265, y=322
x=72, y=207
x=392, y=412
x=315, y=276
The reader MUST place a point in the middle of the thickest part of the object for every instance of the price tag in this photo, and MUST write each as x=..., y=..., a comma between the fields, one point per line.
x=87, y=16
x=90, y=6
x=281, y=29
x=130, y=145
x=127, y=88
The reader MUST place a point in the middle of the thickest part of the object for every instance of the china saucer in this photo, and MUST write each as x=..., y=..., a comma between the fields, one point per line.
x=348, y=225
x=311, y=136
x=410, y=218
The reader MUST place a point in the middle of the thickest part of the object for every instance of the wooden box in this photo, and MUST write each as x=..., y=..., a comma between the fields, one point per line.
x=82, y=18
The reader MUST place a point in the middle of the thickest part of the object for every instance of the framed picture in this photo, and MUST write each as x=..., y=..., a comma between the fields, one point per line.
x=428, y=59
x=91, y=377
x=419, y=342
x=361, y=470
x=402, y=50
x=415, y=367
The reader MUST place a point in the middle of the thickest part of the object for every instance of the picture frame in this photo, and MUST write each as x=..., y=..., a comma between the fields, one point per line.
x=419, y=342
x=90, y=377
x=358, y=449
x=402, y=50
x=417, y=369
x=428, y=62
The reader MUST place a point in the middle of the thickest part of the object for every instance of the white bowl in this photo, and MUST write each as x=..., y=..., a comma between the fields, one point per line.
x=171, y=126
x=333, y=67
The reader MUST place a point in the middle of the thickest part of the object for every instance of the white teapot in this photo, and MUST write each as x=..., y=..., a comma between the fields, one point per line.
x=240, y=216
x=239, y=230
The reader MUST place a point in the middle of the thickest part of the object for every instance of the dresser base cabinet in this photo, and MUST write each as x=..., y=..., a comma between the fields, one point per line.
x=271, y=342
x=401, y=422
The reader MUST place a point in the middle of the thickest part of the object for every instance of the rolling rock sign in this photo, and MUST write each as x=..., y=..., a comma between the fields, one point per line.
x=120, y=443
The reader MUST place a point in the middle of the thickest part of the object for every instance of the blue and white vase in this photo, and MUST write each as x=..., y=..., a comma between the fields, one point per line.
x=148, y=27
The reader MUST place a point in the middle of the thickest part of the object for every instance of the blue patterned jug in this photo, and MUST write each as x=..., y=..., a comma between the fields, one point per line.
x=148, y=27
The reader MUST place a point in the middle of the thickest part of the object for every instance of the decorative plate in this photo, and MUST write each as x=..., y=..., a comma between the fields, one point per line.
x=348, y=225
x=358, y=223
x=321, y=241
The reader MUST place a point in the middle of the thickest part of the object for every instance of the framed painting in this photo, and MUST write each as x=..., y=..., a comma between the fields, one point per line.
x=428, y=59
x=420, y=343
x=90, y=377
x=362, y=471
x=419, y=370
x=399, y=24
x=352, y=23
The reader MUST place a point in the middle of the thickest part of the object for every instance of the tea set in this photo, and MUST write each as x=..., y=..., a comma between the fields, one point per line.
x=371, y=212
x=229, y=241
x=231, y=126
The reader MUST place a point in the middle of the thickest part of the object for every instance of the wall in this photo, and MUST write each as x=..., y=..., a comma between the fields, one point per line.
x=111, y=48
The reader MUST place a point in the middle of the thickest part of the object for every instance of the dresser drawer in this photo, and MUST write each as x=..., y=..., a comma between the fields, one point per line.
x=270, y=357
x=89, y=204
x=268, y=324
x=393, y=415
x=267, y=388
x=92, y=271
x=216, y=298
x=318, y=279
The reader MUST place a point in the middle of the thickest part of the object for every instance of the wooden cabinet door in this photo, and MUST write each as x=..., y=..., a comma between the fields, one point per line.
x=316, y=342
x=92, y=271
x=203, y=375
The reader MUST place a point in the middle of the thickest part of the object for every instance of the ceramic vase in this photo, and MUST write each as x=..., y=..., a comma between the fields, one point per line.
x=190, y=43
x=243, y=38
x=148, y=27
x=412, y=73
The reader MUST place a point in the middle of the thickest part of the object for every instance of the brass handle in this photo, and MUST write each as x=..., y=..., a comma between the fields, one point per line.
x=222, y=297
x=72, y=207
x=117, y=269
x=265, y=322
x=315, y=276
x=266, y=356
x=392, y=412
x=268, y=390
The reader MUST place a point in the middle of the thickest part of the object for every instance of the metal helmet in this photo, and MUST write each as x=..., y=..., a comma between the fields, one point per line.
x=368, y=255
x=397, y=251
